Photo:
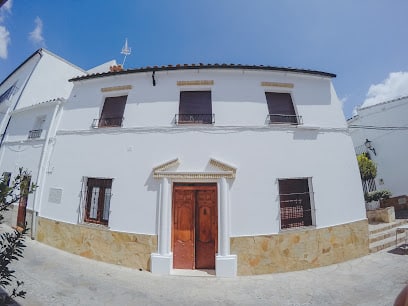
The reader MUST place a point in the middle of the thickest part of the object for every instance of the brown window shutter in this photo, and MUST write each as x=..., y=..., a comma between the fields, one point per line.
x=195, y=102
x=112, y=111
x=280, y=103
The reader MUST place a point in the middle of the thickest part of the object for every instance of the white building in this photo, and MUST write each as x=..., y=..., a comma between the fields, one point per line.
x=241, y=169
x=30, y=109
x=385, y=126
x=244, y=169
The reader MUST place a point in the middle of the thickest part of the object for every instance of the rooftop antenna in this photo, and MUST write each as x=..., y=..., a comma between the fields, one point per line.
x=126, y=50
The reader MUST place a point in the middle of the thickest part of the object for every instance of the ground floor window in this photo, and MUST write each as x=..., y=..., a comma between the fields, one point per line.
x=295, y=204
x=98, y=197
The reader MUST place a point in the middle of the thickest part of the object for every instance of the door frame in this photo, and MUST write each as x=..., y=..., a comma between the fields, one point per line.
x=217, y=172
x=195, y=186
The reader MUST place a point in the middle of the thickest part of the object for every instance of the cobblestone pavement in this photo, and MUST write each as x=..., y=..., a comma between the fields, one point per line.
x=54, y=277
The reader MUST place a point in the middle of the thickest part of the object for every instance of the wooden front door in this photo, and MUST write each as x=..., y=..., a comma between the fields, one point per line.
x=195, y=224
x=22, y=204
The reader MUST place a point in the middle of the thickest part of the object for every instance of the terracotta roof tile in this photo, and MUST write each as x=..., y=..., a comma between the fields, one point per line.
x=203, y=66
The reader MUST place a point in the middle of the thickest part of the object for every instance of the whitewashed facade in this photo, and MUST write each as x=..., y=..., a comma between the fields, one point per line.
x=30, y=109
x=385, y=125
x=241, y=152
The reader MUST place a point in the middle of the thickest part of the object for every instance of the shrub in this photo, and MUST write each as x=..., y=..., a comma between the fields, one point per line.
x=377, y=195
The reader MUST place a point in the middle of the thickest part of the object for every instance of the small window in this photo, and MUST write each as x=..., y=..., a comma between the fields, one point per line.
x=281, y=109
x=295, y=205
x=112, y=112
x=98, y=200
x=38, y=127
x=7, y=178
x=195, y=108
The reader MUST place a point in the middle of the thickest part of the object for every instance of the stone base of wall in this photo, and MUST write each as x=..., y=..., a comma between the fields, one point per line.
x=130, y=250
x=300, y=249
x=385, y=215
x=398, y=203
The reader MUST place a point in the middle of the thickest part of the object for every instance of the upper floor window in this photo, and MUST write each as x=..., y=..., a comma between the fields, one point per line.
x=281, y=109
x=195, y=108
x=98, y=197
x=112, y=112
x=295, y=204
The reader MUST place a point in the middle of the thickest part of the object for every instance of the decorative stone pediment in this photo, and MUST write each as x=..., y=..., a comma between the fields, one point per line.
x=225, y=170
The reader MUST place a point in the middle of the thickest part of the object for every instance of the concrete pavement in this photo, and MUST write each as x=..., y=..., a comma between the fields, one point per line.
x=54, y=277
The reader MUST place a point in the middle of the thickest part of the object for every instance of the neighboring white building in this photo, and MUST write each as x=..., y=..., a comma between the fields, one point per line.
x=30, y=109
x=386, y=126
x=241, y=169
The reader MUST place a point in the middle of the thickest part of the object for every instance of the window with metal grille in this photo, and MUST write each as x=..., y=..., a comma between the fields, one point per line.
x=295, y=205
x=281, y=109
x=112, y=112
x=98, y=200
x=195, y=107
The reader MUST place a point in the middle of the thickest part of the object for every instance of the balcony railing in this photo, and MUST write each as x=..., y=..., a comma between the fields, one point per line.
x=107, y=122
x=285, y=119
x=34, y=134
x=194, y=118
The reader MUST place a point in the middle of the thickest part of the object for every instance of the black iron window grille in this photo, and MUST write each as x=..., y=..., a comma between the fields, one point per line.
x=194, y=119
x=107, y=122
x=287, y=119
x=295, y=205
x=34, y=134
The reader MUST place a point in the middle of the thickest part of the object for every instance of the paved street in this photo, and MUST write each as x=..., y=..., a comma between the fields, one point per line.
x=54, y=277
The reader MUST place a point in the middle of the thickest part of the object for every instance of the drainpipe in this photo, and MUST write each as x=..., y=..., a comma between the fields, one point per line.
x=42, y=170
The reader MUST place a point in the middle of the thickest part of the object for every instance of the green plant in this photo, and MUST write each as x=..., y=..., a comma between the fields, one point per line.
x=12, y=242
x=377, y=195
x=368, y=169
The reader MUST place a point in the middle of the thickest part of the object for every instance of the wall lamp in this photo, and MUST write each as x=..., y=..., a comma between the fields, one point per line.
x=369, y=146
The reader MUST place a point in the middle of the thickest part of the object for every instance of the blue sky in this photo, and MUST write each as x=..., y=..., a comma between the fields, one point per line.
x=364, y=42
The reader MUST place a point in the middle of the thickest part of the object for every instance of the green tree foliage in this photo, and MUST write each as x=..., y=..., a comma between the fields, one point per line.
x=12, y=242
x=368, y=170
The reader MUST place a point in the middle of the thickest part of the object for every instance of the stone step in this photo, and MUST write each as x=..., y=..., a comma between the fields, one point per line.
x=382, y=227
x=387, y=242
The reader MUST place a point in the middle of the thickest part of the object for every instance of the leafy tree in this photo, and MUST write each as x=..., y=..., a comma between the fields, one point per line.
x=12, y=242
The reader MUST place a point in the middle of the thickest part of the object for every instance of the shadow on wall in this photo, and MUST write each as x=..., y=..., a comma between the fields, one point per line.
x=305, y=135
x=153, y=185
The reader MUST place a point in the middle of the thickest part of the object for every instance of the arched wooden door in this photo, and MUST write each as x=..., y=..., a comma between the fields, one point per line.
x=195, y=226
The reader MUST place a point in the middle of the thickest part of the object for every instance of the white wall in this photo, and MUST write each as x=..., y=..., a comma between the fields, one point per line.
x=390, y=145
x=240, y=137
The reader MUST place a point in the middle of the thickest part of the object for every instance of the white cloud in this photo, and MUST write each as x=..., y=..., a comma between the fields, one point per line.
x=4, y=41
x=36, y=35
x=4, y=33
x=5, y=9
x=395, y=86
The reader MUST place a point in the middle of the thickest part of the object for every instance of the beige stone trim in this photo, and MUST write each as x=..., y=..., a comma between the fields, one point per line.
x=194, y=175
x=169, y=164
x=277, y=84
x=223, y=166
x=195, y=83
x=116, y=88
x=227, y=171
